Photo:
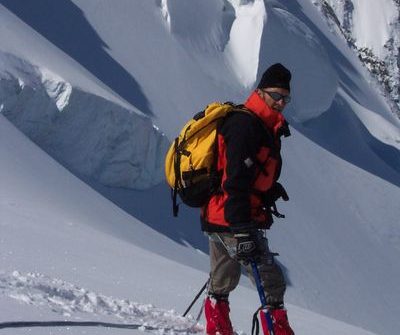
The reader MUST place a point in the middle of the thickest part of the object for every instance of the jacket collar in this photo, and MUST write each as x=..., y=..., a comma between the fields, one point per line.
x=273, y=120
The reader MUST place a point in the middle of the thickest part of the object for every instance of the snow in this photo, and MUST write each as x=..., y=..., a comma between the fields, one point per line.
x=375, y=123
x=242, y=51
x=45, y=106
x=370, y=20
x=57, y=89
x=77, y=273
x=66, y=299
x=371, y=28
x=172, y=69
x=68, y=253
x=18, y=38
x=283, y=42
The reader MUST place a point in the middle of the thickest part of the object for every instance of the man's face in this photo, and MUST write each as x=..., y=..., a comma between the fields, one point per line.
x=275, y=97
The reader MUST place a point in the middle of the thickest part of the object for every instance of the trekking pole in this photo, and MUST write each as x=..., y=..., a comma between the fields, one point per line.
x=196, y=297
x=264, y=312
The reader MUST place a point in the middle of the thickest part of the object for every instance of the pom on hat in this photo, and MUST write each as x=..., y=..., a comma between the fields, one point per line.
x=276, y=76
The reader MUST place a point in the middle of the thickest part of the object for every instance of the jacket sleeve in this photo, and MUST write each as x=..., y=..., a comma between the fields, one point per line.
x=242, y=144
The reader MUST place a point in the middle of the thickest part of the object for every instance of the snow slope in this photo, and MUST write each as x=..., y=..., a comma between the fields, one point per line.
x=51, y=96
x=72, y=255
x=372, y=28
x=370, y=31
x=341, y=169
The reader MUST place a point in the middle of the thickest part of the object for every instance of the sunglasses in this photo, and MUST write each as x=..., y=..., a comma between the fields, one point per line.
x=277, y=96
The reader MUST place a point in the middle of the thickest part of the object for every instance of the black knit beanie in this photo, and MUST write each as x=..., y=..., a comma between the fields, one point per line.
x=276, y=76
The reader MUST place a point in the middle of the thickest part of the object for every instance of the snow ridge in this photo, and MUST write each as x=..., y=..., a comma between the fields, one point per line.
x=66, y=299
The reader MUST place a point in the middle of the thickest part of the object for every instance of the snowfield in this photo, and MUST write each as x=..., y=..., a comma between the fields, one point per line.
x=73, y=256
x=96, y=91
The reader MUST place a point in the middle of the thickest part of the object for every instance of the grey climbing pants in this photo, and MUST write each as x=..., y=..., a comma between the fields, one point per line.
x=226, y=270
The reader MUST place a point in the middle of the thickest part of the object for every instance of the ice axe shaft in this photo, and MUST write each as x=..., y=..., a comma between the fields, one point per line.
x=264, y=310
x=196, y=297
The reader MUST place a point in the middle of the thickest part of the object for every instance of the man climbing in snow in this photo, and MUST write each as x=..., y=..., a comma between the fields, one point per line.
x=237, y=216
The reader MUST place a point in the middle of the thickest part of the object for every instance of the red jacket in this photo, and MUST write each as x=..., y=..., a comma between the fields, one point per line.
x=249, y=161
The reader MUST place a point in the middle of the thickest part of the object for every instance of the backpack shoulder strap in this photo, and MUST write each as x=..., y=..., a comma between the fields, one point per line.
x=243, y=109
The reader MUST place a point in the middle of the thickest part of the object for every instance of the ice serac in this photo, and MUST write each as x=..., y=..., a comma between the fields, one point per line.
x=110, y=144
x=243, y=48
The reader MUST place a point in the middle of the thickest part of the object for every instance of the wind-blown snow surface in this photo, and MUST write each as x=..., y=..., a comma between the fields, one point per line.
x=340, y=243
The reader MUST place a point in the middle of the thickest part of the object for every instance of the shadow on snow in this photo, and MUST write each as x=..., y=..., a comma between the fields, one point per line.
x=65, y=25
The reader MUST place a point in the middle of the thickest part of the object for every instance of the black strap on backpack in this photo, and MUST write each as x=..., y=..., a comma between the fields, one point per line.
x=174, y=191
x=178, y=182
x=177, y=169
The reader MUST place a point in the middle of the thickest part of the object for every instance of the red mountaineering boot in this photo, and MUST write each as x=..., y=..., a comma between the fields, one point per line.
x=217, y=317
x=280, y=322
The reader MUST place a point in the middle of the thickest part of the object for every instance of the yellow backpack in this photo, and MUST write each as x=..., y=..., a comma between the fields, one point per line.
x=190, y=163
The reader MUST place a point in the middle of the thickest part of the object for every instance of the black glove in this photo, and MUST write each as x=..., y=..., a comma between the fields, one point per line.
x=276, y=192
x=247, y=246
